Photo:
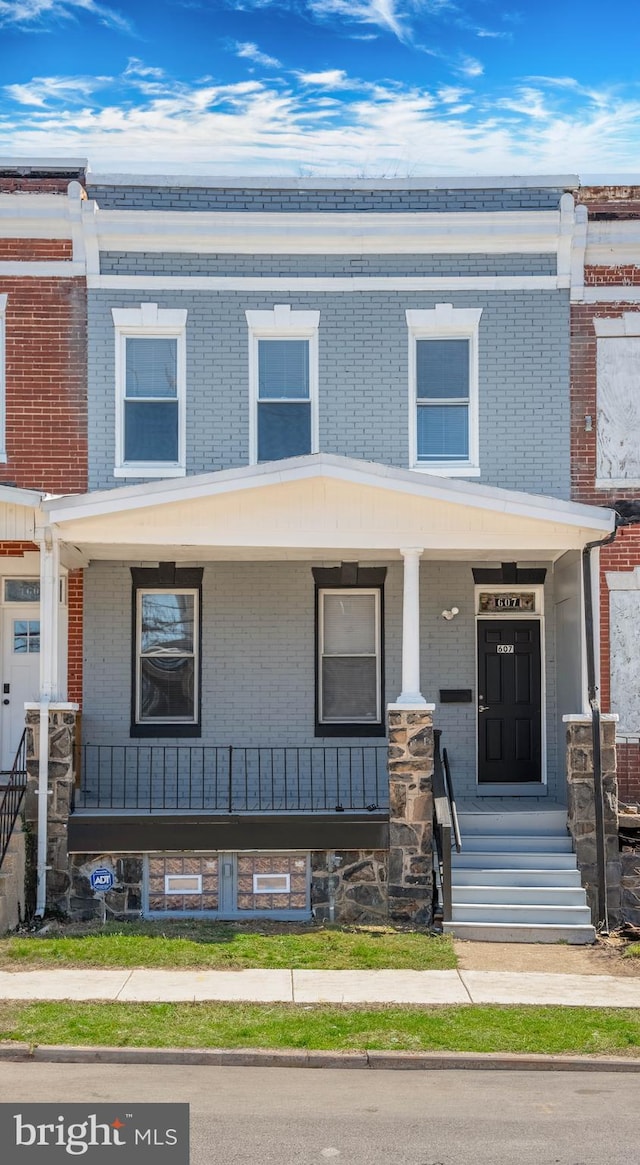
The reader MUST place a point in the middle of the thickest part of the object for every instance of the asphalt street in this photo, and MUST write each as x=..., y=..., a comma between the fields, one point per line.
x=282, y=1116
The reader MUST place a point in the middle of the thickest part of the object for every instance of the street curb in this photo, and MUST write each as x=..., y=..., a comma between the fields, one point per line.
x=298, y=1058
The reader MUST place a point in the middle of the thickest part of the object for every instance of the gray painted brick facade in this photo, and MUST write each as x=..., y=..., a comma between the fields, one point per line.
x=136, y=197
x=363, y=361
x=258, y=681
x=148, y=263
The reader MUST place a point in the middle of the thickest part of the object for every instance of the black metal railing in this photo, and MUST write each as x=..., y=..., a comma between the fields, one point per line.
x=230, y=779
x=12, y=794
x=446, y=831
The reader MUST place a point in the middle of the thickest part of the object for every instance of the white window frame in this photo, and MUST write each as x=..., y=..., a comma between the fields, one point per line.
x=625, y=326
x=147, y=322
x=445, y=322
x=342, y=591
x=259, y=889
x=281, y=323
x=3, y=378
x=175, y=890
x=155, y=720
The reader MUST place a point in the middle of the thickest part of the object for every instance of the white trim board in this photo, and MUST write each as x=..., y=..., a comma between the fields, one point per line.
x=292, y=182
x=325, y=283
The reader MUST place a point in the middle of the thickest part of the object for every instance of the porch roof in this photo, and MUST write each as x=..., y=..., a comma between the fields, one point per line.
x=317, y=505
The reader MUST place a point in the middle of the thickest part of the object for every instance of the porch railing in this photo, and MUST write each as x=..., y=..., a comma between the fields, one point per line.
x=446, y=832
x=12, y=794
x=230, y=779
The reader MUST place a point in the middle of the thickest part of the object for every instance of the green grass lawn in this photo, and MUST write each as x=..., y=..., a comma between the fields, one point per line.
x=578, y=1030
x=180, y=944
x=632, y=951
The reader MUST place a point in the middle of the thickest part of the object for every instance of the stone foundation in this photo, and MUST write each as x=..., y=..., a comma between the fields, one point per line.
x=581, y=809
x=61, y=782
x=410, y=815
x=630, y=886
x=349, y=886
x=123, y=902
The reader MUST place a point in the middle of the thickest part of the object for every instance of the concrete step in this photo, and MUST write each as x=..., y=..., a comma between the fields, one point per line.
x=531, y=915
x=474, y=876
x=543, y=821
x=489, y=932
x=507, y=860
x=519, y=895
x=502, y=843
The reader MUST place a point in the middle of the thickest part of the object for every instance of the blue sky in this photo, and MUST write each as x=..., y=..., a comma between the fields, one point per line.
x=367, y=88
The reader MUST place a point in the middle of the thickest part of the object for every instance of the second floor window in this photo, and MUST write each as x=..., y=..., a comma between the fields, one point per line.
x=442, y=399
x=151, y=421
x=150, y=391
x=284, y=403
x=283, y=383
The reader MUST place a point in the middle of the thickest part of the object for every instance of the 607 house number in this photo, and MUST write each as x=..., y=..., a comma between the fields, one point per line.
x=503, y=602
x=505, y=649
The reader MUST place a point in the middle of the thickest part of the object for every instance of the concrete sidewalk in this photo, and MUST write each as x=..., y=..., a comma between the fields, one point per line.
x=308, y=987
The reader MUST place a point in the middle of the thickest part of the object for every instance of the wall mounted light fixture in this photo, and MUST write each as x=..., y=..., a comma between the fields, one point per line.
x=451, y=614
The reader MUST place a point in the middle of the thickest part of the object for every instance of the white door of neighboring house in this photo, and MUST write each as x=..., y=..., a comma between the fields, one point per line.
x=20, y=673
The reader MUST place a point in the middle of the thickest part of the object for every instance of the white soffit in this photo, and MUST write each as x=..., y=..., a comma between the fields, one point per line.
x=249, y=232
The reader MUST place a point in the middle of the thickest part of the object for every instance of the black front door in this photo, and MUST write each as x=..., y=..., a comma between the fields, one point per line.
x=509, y=701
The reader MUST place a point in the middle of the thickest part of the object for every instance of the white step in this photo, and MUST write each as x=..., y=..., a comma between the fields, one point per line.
x=531, y=915
x=485, y=843
x=505, y=860
x=473, y=876
x=519, y=895
x=542, y=822
x=491, y=932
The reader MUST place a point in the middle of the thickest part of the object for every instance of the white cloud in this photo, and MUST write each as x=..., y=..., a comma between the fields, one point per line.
x=329, y=79
x=252, y=53
x=30, y=14
x=146, y=121
x=387, y=14
x=470, y=67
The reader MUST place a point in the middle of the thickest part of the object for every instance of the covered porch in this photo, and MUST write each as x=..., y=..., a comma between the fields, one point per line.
x=317, y=592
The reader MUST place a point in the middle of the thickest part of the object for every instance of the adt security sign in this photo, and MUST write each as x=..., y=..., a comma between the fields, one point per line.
x=102, y=879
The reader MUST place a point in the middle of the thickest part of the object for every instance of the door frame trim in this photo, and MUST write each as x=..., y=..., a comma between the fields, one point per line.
x=536, y=616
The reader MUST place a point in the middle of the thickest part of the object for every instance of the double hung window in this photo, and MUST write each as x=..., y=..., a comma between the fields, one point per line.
x=443, y=387
x=150, y=383
x=349, y=656
x=166, y=663
x=283, y=374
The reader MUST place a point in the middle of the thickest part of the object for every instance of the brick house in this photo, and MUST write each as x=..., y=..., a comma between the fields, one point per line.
x=605, y=432
x=327, y=511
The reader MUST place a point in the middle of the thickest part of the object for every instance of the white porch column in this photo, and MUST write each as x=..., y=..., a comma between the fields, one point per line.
x=49, y=618
x=411, y=693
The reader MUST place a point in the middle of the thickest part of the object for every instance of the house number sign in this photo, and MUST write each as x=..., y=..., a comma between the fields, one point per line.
x=506, y=601
x=505, y=649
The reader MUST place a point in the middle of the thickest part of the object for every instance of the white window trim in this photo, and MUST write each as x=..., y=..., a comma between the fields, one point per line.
x=258, y=889
x=375, y=591
x=171, y=891
x=147, y=321
x=281, y=323
x=444, y=322
x=177, y=720
x=3, y=378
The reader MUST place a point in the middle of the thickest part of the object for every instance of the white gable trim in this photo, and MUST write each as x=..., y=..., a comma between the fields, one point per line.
x=336, y=468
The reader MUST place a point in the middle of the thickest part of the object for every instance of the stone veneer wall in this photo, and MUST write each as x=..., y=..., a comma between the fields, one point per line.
x=410, y=815
x=61, y=781
x=123, y=902
x=630, y=886
x=349, y=886
x=581, y=807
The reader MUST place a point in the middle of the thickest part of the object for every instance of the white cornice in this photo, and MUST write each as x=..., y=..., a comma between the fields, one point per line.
x=333, y=283
x=52, y=269
x=249, y=232
x=39, y=216
x=612, y=293
x=287, y=182
x=613, y=243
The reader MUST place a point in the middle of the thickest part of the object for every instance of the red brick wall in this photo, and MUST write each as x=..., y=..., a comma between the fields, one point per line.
x=46, y=384
x=35, y=250
x=624, y=553
x=623, y=276
x=16, y=549
x=16, y=184
x=76, y=600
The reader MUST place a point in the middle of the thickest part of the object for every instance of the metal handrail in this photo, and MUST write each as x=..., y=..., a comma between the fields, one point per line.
x=13, y=794
x=446, y=831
